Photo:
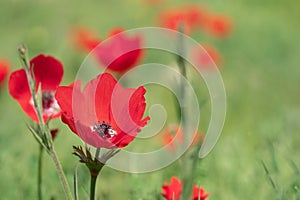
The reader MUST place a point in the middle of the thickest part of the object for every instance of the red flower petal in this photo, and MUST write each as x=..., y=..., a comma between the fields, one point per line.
x=120, y=53
x=199, y=193
x=171, y=132
x=196, y=16
x=104, y=86
x=220, y=25
x=173, y=18
x=19, y=90
x=4, y=69
x=84, y=39
x=206, y=57
x=173, y=190
x=18, y=86
x=48, y=71
x=115, y=31
x=191, y=17
x=64, y=97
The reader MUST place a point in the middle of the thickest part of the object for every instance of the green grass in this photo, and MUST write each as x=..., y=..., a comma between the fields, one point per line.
x=261, y=76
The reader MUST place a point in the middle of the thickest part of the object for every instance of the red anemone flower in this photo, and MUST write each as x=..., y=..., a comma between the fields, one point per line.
x=197, y=16
x=4, y=69
x=199, y=193
x=206, y=57
x=219, y=25
x=172, y=191
x=173, y=131
x=121, y=52
x=104, y=114
x=84, y=39
x=47, y=72
x=169, y=135
x=191, y=18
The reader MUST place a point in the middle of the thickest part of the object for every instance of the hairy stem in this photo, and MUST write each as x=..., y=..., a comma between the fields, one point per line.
x=186, y=171
x=61, y=174
x=40, y=169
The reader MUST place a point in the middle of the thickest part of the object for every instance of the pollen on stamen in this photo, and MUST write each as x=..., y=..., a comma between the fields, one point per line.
x=104, y=130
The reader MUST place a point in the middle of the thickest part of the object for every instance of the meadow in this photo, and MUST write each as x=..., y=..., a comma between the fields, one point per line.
x=257, y=155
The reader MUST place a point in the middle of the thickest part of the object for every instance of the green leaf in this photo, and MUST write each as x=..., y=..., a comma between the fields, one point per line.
x=37, y=137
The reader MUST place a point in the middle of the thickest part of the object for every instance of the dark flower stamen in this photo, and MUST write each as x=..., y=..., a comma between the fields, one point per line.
x=104, y=130
x=47, y=99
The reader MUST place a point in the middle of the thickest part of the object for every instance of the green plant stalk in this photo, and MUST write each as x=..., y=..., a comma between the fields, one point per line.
x=94, y=171
x=40, y=168
x=93, y=186
x=76, y=183
x=61, y=174
x=186, y=168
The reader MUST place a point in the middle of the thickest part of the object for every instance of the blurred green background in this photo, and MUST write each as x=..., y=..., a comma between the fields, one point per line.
x=261, y=74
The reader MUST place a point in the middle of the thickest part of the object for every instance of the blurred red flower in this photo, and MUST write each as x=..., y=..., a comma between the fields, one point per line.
x=4, y=70
x=119, y=53
x=104, y=114
x=84, y=39
x=199, y=193
x=173, y=190
x=219, y=25
x=173, y=131
x=191, y=17
x=205, y=57
x=47, y=72
x=197, y=16
x=170, y=133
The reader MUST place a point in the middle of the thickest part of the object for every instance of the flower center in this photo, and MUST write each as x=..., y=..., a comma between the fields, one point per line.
x=47, y=99
x=104, y=130
x=49, y=103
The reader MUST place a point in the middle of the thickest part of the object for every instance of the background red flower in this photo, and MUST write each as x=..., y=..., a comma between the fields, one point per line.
x=84, y=39
x=199, y=193
x=119, y=53
x=173, y=131
x=172, y=190
x=191, y=17
x=219, y=25
x=4, y=70
x=206, y=57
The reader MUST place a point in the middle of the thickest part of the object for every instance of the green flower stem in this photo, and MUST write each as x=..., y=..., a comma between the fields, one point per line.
x=40, y=167
x=61, y=174
x=186, y=171
x=93, y=185
x=94, y=171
